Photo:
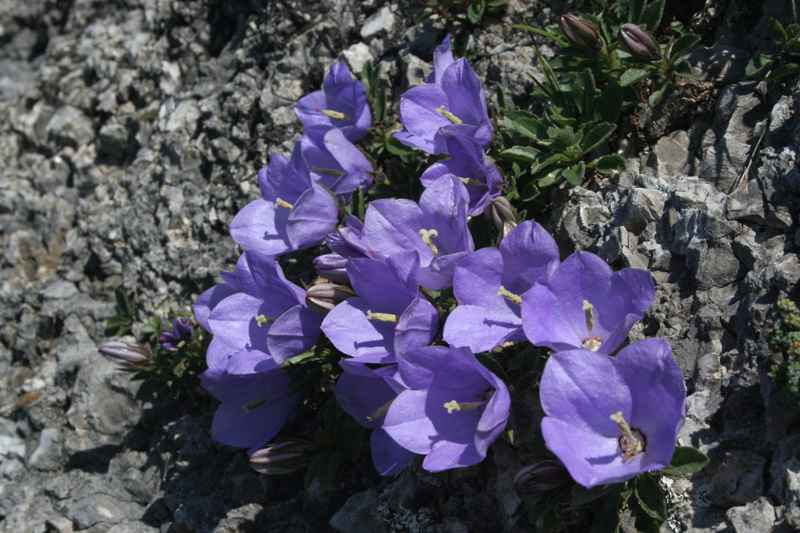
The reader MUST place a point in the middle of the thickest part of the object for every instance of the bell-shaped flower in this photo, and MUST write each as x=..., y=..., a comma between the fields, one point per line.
x=583, y=304
x=337, y=164
x=263, y=311
x=340, y=104
x=456, y=105
x=453, y=410
x=255, y=399
x=475, y=169
x=390, y=314
x=442, y=58
x=489, y=285
x=180, y=334
x=366, y=394
x=611, y=418
x=295, y=212
x=436, y=229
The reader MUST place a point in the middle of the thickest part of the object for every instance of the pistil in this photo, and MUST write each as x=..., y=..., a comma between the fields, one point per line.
x=453, y=405
x=427, y=235
x=262, y=319
x=631, y=442
x=254, y=405
x=510, y=296
x=448, y=115
x=335, y=115
x=382, y=317
x=284, y=204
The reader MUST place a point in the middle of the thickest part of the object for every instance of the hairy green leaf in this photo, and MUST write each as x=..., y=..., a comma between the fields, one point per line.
x=634, y=75
x=650, y=497
x=682, y=46
x=686, y=460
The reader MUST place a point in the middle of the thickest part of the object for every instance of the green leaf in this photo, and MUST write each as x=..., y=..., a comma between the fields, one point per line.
x=776, y=30
x=792, y=30
x=651, y=497
x=606, y=520
x=683, y=69
x=582, y=495
x=502, y=103
x=526, y=124
x=783, y=71
x=609, y=164
x=609, y=103
x=125, y=306
x=526, y=154
x=634, y=75
x=596, y=136
x=583, y=89
x=657, y=95
x=682, y=46
x=475, y=11
x=652, y=16
x=635, y=10
x=492, y=365
x=575, y=173
x=757, y=63
x=151, y=327
x=544, y=33
x=686, y=460
x=379, y=105
x=646, y=524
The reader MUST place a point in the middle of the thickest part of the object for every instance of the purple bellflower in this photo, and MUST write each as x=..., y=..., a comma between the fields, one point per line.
x=436, y=229
x=262, y=311
x=456, y=105
x=337, y=164
x=295, y=212
x=366, y=394
x=453, y=410
x=341, y=104
x=390, y=314
x=489, y=285
x=255, y=399
x=181, y=332
x=348, y=242
x=475, y=169
x=442, y=58
x=583, y=304
x=611, y=418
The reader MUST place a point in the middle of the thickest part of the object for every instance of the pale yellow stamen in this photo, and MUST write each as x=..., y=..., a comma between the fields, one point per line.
x=592, y=343
x=254, y=405
x=427, y=235
x=336, y=115
x=448, y=115
x=462, y=406
x=284, y=204
x=261, y=319
x=382, y=317
x=589, y=314
x=510, y=296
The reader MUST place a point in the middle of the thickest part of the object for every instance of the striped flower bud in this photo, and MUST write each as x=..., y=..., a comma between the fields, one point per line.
x=637, y=42
x=283, y=458
x=580, y=32
x=540, y=478
x=323, y=297
x=127, y=356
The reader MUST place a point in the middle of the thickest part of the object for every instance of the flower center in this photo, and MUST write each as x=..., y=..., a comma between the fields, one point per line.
x=262, y=319
x=592, y=343
x=448, y=115
x=254, y=405
x=382, y=317
x=510, y=296
x=284, y=204
x=427, y=236
x=335, y=115
x=631, y=442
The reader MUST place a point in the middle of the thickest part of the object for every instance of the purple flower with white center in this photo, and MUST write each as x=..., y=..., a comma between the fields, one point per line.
x=366, y=394
x=436, y=229
x=456, y=105
x=390, y=314
x=442, y=58
x=611, y=418
x=255, y=399
x=453, y=410
x=475, y=169
x=489, y=285
x=181, y=332
x=261, y=311
x=583, y=304
x=295, y=213
x=341, y=104
x=337, y=164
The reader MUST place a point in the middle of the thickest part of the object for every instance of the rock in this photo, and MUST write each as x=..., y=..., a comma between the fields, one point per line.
x=359, y=513
x=672, y=155
x=357, y=56
x=113, y=141
x=720, y=63
x=739, y=478
x=755, y=516
x=381, y=21
x=70, y=127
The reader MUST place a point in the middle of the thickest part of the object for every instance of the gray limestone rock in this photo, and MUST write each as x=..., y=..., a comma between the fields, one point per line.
x=70, y=127
x=359, y=513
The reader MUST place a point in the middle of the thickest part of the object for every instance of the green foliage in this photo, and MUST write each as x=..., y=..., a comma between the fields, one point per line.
x=686, y=460
x=471, y=11
x=333, y=446
x=121, y=323
x=784, y=338
x=783, y=63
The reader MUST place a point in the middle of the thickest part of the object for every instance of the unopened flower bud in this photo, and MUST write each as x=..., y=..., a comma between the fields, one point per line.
x=283, y=458
x=580, y=32
x=332, y=267
x=127, y=356
x=637, y=42
x=540, y=478
x=508, y=225
x=324, y=297
x=499, y=210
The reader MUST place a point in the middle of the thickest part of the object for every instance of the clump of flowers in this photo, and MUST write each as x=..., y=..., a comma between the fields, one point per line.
x=409, y=320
